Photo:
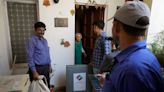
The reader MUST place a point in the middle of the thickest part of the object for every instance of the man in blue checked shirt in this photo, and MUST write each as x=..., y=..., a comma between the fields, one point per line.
x=102, y=45
x=38, y=54
x=136, y=69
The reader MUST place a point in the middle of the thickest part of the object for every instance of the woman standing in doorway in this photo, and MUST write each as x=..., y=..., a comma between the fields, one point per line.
x=78, y=49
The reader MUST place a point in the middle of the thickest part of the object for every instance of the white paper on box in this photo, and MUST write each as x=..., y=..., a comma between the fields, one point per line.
x=79, y=82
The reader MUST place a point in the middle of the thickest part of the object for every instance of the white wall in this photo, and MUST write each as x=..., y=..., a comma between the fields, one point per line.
x=4, y=55
x=157, y=19
x=112, y=7
x=60, y=55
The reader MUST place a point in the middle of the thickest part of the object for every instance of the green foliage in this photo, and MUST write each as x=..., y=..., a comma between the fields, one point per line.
x=157, y=47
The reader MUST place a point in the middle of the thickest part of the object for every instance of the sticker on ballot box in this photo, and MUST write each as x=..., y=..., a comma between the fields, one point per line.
x=79, y=81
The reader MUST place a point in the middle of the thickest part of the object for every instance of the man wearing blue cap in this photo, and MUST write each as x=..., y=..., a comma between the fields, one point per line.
x=135, y=69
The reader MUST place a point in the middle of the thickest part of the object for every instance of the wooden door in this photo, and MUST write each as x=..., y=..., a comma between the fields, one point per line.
x=84, y=20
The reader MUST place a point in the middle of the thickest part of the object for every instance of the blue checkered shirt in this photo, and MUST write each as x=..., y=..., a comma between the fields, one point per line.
x=102, y=47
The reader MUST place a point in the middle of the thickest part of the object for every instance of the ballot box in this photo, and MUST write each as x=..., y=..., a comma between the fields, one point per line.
x=77, y=78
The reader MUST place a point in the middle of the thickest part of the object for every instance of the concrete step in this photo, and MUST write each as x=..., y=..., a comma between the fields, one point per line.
x=21, y=68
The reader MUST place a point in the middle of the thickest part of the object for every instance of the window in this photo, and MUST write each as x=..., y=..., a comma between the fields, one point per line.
x=22, y=17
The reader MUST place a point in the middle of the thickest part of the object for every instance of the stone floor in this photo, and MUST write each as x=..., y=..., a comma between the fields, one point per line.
x=20, y=69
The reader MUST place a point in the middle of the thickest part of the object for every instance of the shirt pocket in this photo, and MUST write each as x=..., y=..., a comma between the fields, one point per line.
x=39, y=48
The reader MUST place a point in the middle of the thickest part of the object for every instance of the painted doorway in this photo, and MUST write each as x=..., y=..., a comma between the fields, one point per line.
x=84, y=18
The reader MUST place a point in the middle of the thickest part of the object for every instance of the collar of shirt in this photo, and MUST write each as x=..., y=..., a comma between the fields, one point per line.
x=39, y=38
x=103, y=33
x=125, y=53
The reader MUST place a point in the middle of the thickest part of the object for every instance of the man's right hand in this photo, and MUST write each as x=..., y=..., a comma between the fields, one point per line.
x=35, y=75
x=101, y=78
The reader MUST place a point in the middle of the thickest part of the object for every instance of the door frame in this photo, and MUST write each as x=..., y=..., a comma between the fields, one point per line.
x=105, y=15
x=105, y=12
